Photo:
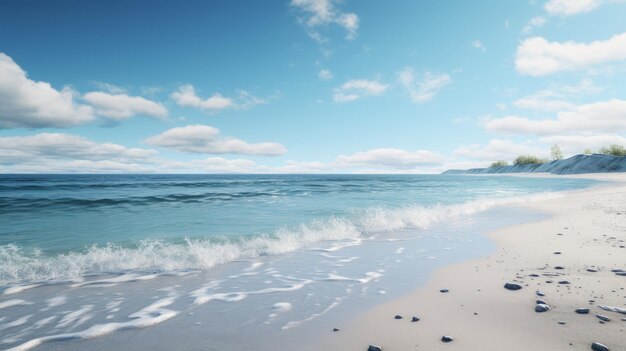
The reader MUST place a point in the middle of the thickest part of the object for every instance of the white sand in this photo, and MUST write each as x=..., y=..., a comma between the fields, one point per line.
x=593, y=224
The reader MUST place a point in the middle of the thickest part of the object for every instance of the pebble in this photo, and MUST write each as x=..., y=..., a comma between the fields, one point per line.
x=540, y=293
x=415, y=319
x=582, y=310
x=557, y=253
x=374, y=348
x=592, y=270
x=446, y=338
x=397, y=316
x=559, y=267
x=542, y=308
x=541, y=302
x=603, y=318
x=444, y=290
x=623, y=274
x=596, y=346
x=561, y=322
x=512, y=286
x=564, y=282
x=335, y=329
x=534, y=275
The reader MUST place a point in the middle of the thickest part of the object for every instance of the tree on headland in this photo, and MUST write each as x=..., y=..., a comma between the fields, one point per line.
x=499, y=164
x=613, y=150
x=588, y=151
x=556, y=152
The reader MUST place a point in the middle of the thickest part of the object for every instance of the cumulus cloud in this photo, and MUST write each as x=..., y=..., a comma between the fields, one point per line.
x=571, y=7
x=552, y=99
x=57, y=152
x=205, y=139
x=477, y=44
x=357, y=89
x=322, y=13
x=186, y=96
x=534, y=22
x=389, y=158
x=498, y=149
x=35, y=104
x=121, y=106
x=603, y=116
x=325, y=74
x=537, y=56
x=424, y=89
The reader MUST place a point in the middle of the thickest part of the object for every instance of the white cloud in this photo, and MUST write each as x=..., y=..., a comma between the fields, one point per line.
x=325, y=74
x=56, y=152
x=551, y=99
x=121, y=106
x=604, y=116
x=207, y=140
x=358, y=88
x=538, y=57
x=321, y=13
x=498, y=149
x=534, y=22
x=32, y=104
x=186, y=96
x=477, y=44
x=571, y=7
x=389, y=158
x=425, y=89
x=108, y=87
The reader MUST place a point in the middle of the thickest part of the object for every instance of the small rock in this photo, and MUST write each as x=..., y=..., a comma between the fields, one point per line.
x=446, y=338
x=603, y=318
x=541, y=302
x=444, y=290
x=542, y=308
x=623, y=274
x=335, y=329
x=374, y=348
x=561, y=322
x=564, y=282
x=559, y=267
x=397, y=316
x=540, y=293
x=596, y=346
x=592, y=270
x=512, y=286
x=617, y=270
x=557, y=253
x=415, y=319
x=534, y=275
x=582, y=310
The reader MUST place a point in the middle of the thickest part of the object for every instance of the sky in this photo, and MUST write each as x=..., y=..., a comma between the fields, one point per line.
x=306, y=86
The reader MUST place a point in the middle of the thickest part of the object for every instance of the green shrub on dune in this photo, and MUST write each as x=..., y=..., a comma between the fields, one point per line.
x=499, y=164
x=528, y=160
x=614, y=150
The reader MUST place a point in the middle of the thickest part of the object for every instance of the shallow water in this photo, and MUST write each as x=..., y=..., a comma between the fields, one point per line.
x=246, y=271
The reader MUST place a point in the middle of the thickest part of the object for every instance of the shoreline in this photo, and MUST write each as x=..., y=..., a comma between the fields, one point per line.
x=585, y=229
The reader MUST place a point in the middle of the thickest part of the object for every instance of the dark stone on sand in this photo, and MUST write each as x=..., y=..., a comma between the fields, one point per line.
x=541, y=302
x=512, y=286
x=446, y=338
x=415, y=319
x=603, y=318
x=540, y=293
x=592, y=270
x=623, y=274
x=596, y=346
x=561, y=322
x=559, y=267
x=534, y=275
x=374, y=348
x=564, y=282
x=557, y=253
x=582, y=310
x=444, y=290
x=335, y=329
x=617, y=270
x=542, y=308
x=397, y=316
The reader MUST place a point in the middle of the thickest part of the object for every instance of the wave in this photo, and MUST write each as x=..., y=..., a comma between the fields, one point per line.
x=20, y=267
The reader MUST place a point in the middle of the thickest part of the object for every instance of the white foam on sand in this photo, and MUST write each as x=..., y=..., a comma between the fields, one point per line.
x=151, y=315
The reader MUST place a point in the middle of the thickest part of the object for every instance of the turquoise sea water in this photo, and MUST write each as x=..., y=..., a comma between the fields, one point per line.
x=125, y=222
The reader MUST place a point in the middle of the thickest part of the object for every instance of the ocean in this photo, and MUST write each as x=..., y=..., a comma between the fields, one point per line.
x=98, y=258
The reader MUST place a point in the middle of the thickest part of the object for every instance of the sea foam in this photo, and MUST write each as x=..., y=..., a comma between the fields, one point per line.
x=157, y=256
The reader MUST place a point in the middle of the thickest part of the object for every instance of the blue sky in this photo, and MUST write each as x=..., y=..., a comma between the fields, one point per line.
x=313, y=86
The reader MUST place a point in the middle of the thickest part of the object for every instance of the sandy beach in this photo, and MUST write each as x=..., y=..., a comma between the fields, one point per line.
x=572, y=259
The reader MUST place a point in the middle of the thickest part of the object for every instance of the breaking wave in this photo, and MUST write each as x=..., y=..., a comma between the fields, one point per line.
x=19, y=267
